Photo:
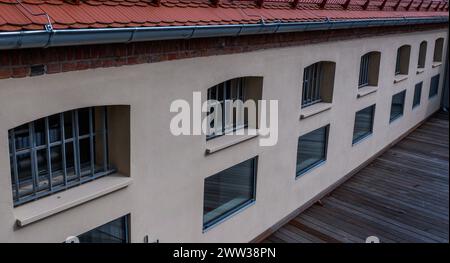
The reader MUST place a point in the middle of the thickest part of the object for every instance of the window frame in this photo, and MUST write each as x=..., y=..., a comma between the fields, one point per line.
x=397, y=116
x=363, y=80
x=417, y=96
x=434, y=92
x=235, y=210
x=222, y=88
x=438, y=52
x=422, y=56
x=369, y=133
x=126, y=221
x=75, y=139
x=312, y=81
x=319, y=162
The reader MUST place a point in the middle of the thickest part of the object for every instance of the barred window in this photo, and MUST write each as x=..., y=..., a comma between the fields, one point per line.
x=422, y=54
x=438, y=50
x=369, y=69
x=57, y=152
x=318, y=81
x=232, y=116
x=402, y=61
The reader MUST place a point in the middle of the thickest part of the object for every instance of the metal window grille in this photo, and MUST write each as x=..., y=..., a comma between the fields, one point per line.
x=312, y=81
x=398, y=62
x=224, y=94
x=364, y=71
x=422, y=54
x=58, y=152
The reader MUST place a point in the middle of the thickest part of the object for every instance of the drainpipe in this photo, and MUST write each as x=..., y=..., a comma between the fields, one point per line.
x=73, y=37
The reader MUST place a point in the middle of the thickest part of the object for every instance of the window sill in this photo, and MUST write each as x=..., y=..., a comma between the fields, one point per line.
x=364, y=91
x=400, y=77
x=314, y=109
x=420, y=71
x=436, y=64
x=228, y=140
x=48, y=206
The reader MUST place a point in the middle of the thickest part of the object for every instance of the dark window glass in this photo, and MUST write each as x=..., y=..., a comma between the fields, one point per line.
x=363, y=123
x=46, y=159
x=228, y=191
x=398, y=103
x=434, y=86
x=311, y=149
x=113, y=232
x=422, y=54
x=398, y=62
x=417, y=94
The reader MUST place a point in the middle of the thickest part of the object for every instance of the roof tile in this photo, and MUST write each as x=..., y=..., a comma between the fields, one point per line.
x=134, y=13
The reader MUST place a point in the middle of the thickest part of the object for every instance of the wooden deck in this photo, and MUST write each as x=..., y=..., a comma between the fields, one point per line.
x=402, y=196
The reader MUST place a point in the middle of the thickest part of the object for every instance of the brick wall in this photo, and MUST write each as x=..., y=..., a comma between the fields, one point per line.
x=29, y=62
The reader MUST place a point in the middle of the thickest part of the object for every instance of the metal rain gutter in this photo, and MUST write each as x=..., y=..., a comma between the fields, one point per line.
x=72, y=37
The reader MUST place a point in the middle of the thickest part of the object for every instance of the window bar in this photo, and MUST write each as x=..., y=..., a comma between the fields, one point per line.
x=318, y=83
x=105, y=140
x=91, y=141
x=310, y=83
x=63, y=148
x=49, y=165
x=33, y=157
x=308, y=78
x=77, y=147
x=15, y=170
x=224, y=106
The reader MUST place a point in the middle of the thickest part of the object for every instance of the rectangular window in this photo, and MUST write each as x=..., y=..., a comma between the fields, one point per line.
x=57, y=152
x=312, y=78
x=363, y=123
x=417, y=94
x=312, y=149
x=228, y=191
x=398, y=103
x=364, y=71
x=116, y=231
x=434, y=86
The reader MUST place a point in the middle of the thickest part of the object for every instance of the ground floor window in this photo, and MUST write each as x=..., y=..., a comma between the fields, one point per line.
x=434, y=86
x=116, y=231
x=417, y=94
x=311, y=150
x=363, y=123
x=228, y=191
x=397, y=105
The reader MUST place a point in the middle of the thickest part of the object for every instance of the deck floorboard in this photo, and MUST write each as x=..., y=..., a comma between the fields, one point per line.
x=402, y=196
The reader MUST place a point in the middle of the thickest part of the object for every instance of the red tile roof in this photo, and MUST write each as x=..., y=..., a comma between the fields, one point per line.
x=16, y=15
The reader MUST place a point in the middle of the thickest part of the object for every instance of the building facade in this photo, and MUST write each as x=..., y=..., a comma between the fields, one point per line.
x=87, y=154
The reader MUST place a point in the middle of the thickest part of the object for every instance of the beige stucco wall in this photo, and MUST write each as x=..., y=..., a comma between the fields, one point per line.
x=166, y=197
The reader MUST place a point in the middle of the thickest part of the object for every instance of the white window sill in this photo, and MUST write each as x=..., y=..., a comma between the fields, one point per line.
x=436, y=64
x=58, y=202
x=420, y=71
x=314, y=109
x=400, y=77
x=228, y=140
x=364, y=91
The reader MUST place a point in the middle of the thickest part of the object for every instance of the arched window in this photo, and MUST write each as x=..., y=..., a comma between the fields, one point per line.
x=438, y=49
x=226, y=113
x=318, y=82
x=369, y=69
x=60, y=151
x=422, y=55
x=402, y=62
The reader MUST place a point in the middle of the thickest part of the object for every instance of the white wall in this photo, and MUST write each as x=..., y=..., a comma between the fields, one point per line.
x=166, y=197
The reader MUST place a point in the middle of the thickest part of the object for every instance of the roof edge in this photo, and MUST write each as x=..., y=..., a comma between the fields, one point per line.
x=76, y=37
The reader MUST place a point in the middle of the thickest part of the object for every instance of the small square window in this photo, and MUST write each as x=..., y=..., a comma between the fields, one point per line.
x=417, y=94
x=228, y=191
x=397, y=105
x=311, y=150
x=363, y=123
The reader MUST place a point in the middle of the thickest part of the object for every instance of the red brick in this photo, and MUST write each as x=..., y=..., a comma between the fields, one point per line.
x=20, y=72
x=68, y=66
x=53, y=68
x=5, y=73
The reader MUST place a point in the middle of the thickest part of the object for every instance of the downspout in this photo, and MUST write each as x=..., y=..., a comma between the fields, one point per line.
x=71, y=37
